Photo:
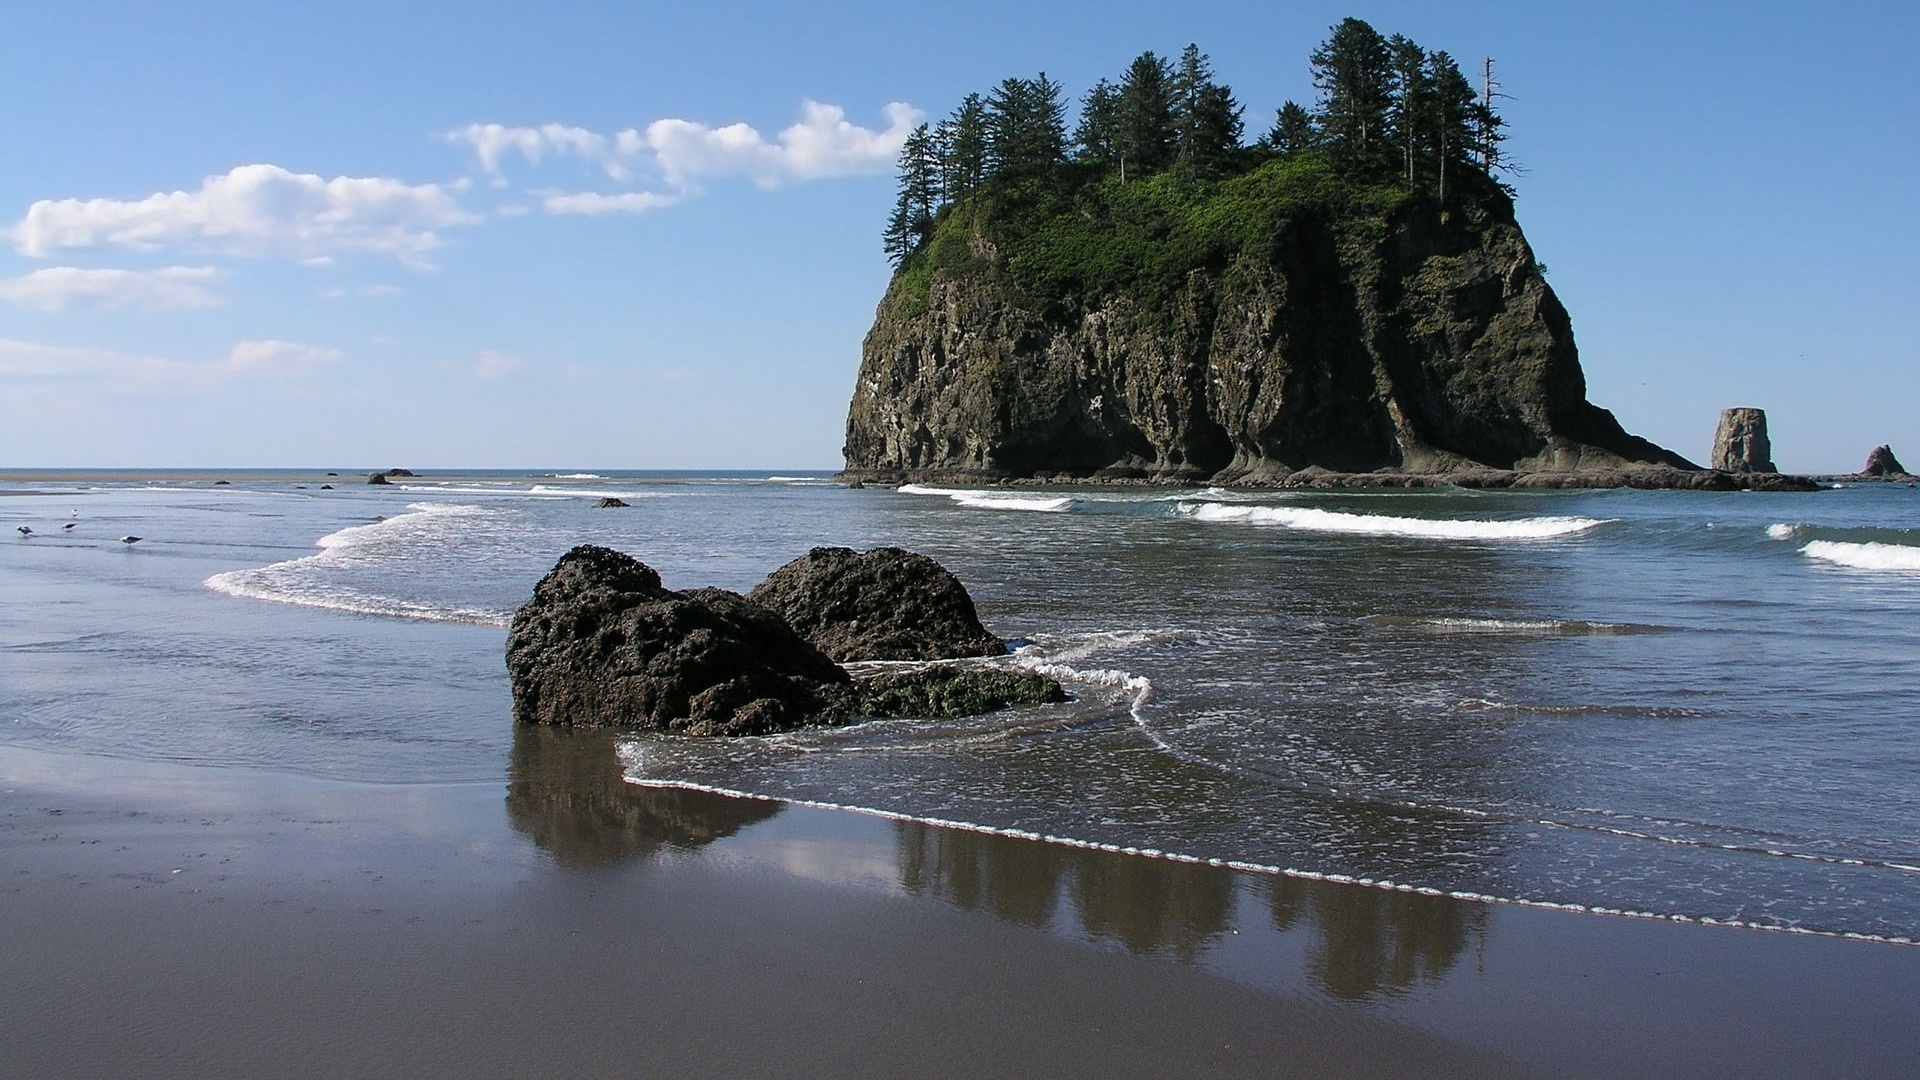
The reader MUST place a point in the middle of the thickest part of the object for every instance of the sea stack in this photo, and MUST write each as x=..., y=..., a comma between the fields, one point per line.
x=1882, y=463
x=1741, y=445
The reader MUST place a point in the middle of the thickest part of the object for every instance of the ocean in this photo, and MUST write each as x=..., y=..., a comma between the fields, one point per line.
x=1679, y=705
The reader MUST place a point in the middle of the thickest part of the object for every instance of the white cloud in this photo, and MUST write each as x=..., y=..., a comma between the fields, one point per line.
x=824, y=143
x=491, y=142
x=167, y=288
x=254, y=210
x=591, y=202
x=138, y=373
x=278, y=357
x=493, y=365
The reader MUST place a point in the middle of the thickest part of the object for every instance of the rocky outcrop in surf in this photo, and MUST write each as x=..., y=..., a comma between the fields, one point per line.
x=886, y=604
x=602, y=643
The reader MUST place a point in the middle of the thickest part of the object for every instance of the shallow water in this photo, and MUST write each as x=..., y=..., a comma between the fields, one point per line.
x=1683, y=704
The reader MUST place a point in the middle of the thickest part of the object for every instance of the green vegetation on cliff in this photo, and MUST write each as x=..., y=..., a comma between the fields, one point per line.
x=1155, y=183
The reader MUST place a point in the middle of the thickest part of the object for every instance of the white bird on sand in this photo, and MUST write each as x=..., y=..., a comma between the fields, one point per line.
x=129, y=540
x=25, y=531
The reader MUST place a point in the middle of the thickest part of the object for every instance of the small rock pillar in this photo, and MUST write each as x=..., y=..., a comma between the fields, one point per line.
x=1741, y=445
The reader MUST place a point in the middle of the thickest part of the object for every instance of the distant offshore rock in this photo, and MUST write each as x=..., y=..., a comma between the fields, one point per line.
x=888, y=604
x=1740, y=445
x=603, y=643
x=377, y=479
x=1882, y=463
x=610, y=502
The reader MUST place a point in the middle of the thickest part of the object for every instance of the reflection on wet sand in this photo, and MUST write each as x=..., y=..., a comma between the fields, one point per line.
x=566, y=793
x=1374, y=941
x=1367, y=941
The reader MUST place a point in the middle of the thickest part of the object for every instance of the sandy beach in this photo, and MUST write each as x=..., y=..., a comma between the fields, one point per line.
x=168, y=920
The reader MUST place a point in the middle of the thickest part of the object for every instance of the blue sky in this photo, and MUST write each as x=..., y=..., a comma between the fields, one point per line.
x=647, y=236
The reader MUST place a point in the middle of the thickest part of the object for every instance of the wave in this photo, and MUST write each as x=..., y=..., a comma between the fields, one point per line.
x=1869, y=556
x=311, y=580
x=1780, y=530
x=996, y=500
x=576, y=476
x=1540, y=627
x=1310, y=519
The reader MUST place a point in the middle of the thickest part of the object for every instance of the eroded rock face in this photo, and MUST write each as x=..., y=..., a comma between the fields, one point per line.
x=1415, y=344
x=1881, y=462
x=1741, y=445
x=602, y=643
x=886, y=604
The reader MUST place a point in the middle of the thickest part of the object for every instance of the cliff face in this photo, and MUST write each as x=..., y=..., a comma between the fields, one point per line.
x=1406, y=342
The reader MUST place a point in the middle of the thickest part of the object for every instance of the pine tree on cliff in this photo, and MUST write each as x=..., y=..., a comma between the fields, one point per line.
x=962, y=141
x=913, y=212
x=1026, y=124
x=1453, y=118
x=1292, y=130
x=1353, y=71
x=1095, y=138
x=1147, y=130
x=1410, y=110
x=1207, y=125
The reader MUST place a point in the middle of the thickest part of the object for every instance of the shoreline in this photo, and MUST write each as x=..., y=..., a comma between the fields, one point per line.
x=166, y=919
x=1318, y=479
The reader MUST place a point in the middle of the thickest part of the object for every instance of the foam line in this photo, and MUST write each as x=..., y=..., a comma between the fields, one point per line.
x=1312, y=519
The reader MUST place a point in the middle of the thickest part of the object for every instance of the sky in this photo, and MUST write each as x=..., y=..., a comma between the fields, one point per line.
x=635, y=236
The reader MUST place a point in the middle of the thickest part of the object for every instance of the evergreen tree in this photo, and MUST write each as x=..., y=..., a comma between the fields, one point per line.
x=1026, y=124
x=919, y=200
x=1147, y=130
x=1453, y=117
x=1094, y=139
x=1292, y=130
x=1207, y=126
x=1353, y=72
x=1487, y=123
x=963, y=148
x=1410, y=108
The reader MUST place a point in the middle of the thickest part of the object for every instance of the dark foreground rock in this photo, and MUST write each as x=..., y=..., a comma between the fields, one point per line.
x=1881, y=462
x=377, y=478
x=610, y=502
x=603, y=643
x=886, y=604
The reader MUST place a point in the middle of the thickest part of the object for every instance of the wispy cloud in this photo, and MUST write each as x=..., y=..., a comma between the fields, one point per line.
x=493, y=365
x=168, y=288
x=255, y=210
x=592, y=202
x=823, y=143
x=139, y=373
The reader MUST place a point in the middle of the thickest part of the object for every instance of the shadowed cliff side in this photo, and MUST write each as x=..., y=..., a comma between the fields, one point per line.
x=1238, y=331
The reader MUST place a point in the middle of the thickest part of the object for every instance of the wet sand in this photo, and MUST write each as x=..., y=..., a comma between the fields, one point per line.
x=168, y=920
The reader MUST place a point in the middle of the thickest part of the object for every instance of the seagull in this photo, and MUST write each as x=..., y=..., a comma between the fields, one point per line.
x=25, y=531
x=129, y=540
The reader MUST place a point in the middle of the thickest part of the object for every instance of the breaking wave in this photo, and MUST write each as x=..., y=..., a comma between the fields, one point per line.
x=1865, y=556
x=1311, y=519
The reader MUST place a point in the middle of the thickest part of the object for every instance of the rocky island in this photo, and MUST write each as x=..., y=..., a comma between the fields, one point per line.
x=1348, y=300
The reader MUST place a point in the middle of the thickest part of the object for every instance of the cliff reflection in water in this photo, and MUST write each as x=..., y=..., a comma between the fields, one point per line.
x=1366, y=942
x=566, y=793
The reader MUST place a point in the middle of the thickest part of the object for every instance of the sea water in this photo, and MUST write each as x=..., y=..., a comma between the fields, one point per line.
x=1686, y=705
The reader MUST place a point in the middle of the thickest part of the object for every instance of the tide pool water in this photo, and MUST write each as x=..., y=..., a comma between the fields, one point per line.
x=1686, y=705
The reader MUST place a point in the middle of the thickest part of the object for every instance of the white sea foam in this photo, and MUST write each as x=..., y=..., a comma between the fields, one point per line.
x=315, y=580
x=1311, y=519
x=1865, y=556
x=578, y=476
x=1568, y=627
x=996, y=500
x=1781, y=531
x=590, y=493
